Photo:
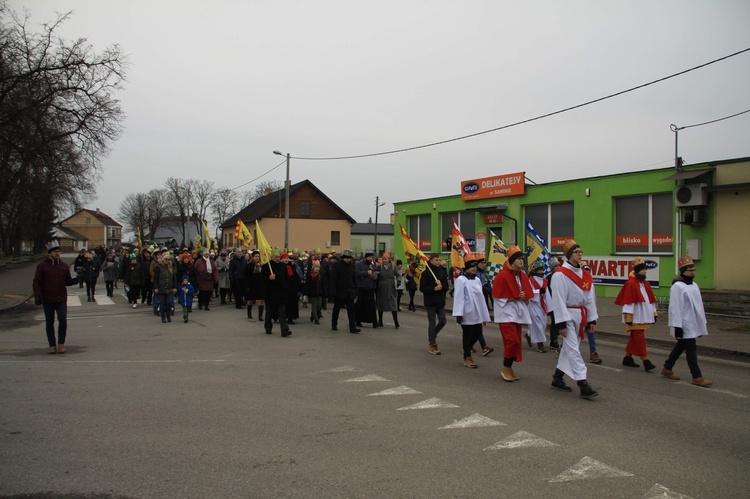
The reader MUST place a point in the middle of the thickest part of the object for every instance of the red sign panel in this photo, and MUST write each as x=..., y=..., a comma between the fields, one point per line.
x=511, y=184
x=492, y=218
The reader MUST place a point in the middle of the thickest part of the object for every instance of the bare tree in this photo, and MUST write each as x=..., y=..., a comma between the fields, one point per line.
x=224, y=205
x=133, y=211
x=157, y=210
x=202, y=194
x=58, y=117
x=178, y=197
x=261, y=189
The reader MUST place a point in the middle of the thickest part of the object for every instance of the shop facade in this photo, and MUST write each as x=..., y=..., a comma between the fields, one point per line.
x=657, y=214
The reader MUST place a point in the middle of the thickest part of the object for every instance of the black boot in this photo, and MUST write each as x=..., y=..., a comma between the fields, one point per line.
x=395, y=319
x=260, y=312
x=648, y=365
x=586, y=391
x=559, y=383
x=249, y=311
x=629, y=362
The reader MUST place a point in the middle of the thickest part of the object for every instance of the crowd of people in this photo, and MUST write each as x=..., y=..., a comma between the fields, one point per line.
x=520, y=296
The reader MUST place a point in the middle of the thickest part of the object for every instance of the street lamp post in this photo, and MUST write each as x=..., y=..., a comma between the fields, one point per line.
x=286, y=202
x=378, y=204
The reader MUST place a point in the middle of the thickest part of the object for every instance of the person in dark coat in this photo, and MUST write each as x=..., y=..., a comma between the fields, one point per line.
x=206, y=276
x=134, y=277
x=325, y=274
x=50, y=283
x=254, y=285
x=292, y=289
x=237, y=277
x=275, y=277
x=184, y=266
x=344, y=290
x=366, y=285
x=90, y=275
x=165, y=286
x=433, y=284
x=314, y=292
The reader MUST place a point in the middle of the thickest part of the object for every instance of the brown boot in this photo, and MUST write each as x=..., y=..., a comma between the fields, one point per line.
x=513, y=373
x=434, y=349
x=469, y=362
x=594, y=359
x=702, y=382
x=669, y=374
x=507, y=374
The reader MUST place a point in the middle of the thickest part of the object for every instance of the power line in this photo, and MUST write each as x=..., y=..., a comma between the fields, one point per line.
x=530, y=119
x=675, y=127
x=259, y=176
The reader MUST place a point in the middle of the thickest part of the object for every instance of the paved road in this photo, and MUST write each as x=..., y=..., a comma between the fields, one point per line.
x=216, y=408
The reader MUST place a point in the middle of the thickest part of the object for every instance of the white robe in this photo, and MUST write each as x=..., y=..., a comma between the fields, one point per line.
x=643, y=312
x=686, y=310
x=468, y=301
x=567, y=294
x=538, y=316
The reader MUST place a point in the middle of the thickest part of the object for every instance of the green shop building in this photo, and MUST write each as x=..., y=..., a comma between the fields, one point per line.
x=702, y=210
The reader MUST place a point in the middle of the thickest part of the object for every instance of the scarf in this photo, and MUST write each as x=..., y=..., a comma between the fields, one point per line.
x=209, y=269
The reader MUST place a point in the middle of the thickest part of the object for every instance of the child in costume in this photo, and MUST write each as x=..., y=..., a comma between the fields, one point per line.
x=638, y=311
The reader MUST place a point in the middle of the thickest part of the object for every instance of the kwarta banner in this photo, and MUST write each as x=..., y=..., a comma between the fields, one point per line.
x=511, y=184
x=613, y=270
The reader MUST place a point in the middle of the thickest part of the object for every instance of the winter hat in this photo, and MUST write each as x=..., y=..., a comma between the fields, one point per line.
x=638, y=264
x=568, y=247
x=685, y=262
x=538, y=264
x=186, y=278
x=513, y=253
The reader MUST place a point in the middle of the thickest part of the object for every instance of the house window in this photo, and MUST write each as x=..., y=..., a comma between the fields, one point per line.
x=643, y=224
x=553, y=222
x=466, y=221
x=304, y=208
x=88, y=220
x=335, y=238
x=420, y=231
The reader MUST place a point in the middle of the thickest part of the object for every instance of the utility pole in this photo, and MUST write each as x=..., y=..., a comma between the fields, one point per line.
x=378, y=204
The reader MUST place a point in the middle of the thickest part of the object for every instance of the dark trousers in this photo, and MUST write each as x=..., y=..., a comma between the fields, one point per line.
x=134, y=293
x=690, y=348
x=90, y=288
x=433, y=328
x=204, y=298
x=147, y=292
x=223, y=295
x=349, y=304
x=471, y=334
x=110, y=285
x=280, y=312
x=238, y=290
x=166, y=304
x=61, y=309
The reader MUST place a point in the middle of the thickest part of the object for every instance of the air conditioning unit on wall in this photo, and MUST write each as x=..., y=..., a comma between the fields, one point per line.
x=690, y=196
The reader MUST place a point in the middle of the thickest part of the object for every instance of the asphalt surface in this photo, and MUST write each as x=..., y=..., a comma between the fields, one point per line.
x=217, y=408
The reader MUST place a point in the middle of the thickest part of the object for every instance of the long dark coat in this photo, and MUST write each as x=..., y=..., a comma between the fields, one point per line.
x=205, y=279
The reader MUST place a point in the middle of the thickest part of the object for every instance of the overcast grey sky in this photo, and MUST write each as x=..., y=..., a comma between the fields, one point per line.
x=216, y=86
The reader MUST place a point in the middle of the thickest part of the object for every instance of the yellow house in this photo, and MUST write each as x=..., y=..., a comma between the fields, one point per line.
x=314, y=220
x=99, y=228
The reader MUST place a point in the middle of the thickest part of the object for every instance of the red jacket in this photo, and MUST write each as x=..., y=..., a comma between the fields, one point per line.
x=50, y=281
x=206, y=280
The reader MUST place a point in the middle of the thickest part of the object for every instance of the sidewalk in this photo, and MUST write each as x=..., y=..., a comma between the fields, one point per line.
x=726, y=338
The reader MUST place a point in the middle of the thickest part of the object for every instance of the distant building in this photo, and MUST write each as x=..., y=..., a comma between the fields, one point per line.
x=363, y=238
x=170, y=229
x=97, y=227
x=315, y=221
x=70, y=240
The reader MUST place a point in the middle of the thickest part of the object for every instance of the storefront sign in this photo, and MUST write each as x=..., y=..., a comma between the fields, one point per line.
x=511, y=184
x=492, y=218
x=642, y=240
x=613, y=271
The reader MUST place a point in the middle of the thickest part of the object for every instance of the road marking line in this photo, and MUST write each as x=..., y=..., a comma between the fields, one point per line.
x=473, y=421
x=521, y=439
x=589, y=468
x=607, y=367
x=74, y=301
x=711, y=389
x=432, y=403
x=104, y=300
x=369, y=377
x=342, y=369
x=660, y=491
x=399, y=390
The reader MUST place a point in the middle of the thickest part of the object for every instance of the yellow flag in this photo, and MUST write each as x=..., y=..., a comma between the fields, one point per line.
x=206, y=235
x=415, y=258
x=242, y=235
x=263, y=246
x=495, y=255
x=138, y=233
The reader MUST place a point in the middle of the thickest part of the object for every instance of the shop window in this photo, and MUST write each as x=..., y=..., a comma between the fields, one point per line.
x=553, y=221
x=335, y=238
x=421, y=232
x=466, y=221
x=643, y=224
x=304, y=208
